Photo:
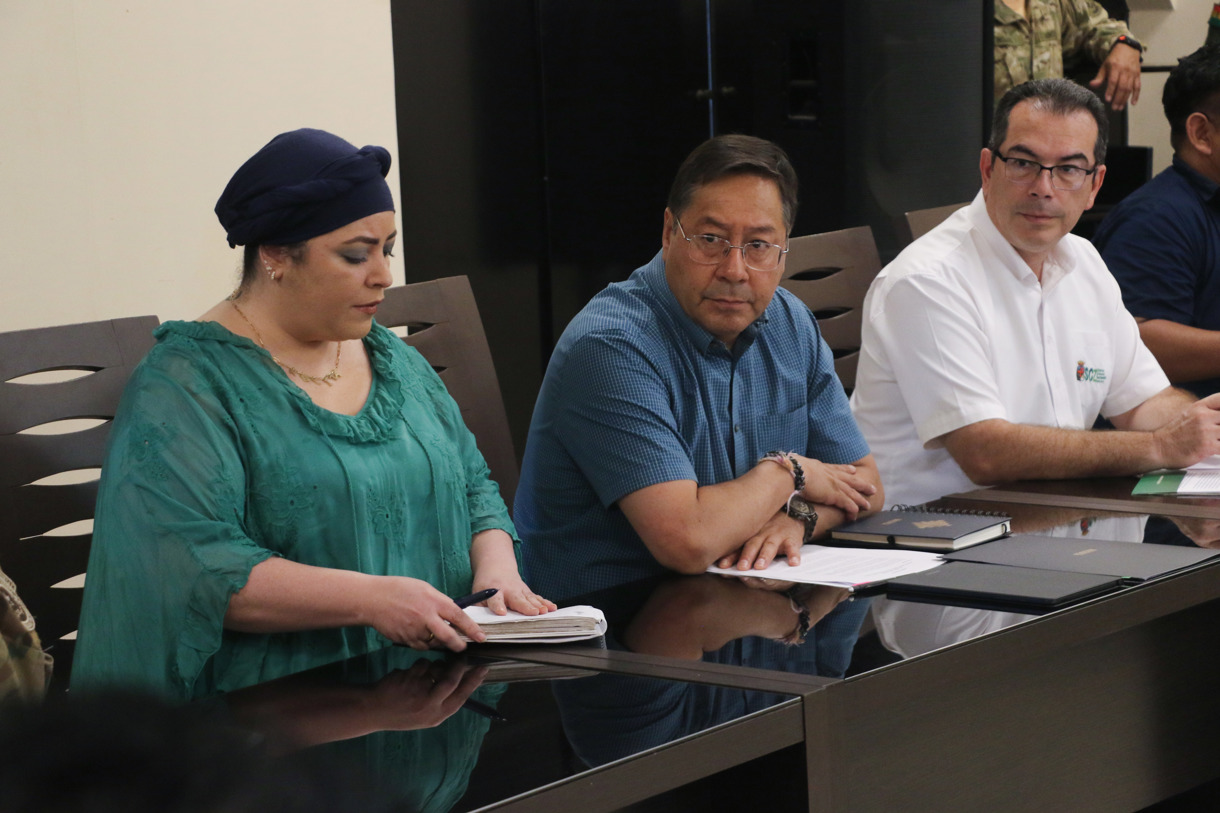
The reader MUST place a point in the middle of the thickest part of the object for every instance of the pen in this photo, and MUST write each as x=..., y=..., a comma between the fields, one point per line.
x=475, y=598
x=866, y=589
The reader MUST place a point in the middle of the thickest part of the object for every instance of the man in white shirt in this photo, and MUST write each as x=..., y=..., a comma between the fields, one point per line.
x=991, y=344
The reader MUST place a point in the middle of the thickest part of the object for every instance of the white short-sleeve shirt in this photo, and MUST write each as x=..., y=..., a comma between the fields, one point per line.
x=958, y=329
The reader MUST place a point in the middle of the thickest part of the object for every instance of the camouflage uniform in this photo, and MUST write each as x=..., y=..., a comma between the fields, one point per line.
x=1033, y=48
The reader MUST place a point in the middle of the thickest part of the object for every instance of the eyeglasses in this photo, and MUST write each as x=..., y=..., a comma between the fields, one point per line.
x=708, y=249
x=1064, y=176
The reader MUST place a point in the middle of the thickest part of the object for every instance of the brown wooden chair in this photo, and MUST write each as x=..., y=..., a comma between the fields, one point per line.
x=44, y=545
x=443, y=323
x=922, y=221
x=831, y=273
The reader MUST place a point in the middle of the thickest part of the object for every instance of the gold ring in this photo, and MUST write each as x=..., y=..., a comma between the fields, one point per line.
x=431, y=635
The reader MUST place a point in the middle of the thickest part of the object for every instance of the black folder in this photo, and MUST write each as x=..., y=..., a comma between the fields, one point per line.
x=1130, y=561
x=1000, y=587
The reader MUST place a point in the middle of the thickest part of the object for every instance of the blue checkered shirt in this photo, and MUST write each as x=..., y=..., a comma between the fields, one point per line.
x=637, y=394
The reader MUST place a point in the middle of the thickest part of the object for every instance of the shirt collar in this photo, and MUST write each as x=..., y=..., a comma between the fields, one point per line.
x=1059, y=262
x=653, y=275
x=1206, y=187
x=1006, y=16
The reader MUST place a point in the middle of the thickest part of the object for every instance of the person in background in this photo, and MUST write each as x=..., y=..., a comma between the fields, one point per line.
x=991, y=344
x=289, y=484
x=25, y=669
x=1032, y=38
x=1162, y=242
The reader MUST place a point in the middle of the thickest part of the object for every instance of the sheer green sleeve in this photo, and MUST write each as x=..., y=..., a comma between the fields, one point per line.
x=169, y=545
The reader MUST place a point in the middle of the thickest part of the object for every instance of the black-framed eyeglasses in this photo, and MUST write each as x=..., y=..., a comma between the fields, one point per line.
x=1065, y=177
x=710, y=249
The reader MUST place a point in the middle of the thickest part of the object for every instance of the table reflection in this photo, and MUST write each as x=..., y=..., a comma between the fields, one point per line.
x=1106, y=493
x=413, y=722
x=715, y=619
x=453, y=733
x=909, y=629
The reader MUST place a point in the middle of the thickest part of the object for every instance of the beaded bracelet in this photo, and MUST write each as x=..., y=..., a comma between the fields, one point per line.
x=789, y=461
x=803, y=623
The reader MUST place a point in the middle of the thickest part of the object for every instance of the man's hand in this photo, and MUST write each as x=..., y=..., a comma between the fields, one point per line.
x=1190, y=436
x=1120, y=74
x=837, y=485
x=781, y=536
x=1203, y=532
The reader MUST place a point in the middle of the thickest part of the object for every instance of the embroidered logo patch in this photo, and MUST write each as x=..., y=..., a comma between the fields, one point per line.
x=1096, y=375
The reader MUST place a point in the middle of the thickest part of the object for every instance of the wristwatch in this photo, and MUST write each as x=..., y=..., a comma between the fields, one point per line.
x=802, y=510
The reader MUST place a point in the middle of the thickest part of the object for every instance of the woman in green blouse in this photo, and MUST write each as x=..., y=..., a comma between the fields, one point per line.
x=288, y=484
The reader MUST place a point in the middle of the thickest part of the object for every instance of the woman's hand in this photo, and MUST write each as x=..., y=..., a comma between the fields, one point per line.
x=284, y=596
x=416, y=614
x=495, y=565
x=425, y=695
x=304, y=710
x=514, y=594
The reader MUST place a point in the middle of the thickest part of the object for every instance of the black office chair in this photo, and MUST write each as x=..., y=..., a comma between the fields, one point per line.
x=830, y=273
x=443, y=323
x=39, y=549
x=921, y=221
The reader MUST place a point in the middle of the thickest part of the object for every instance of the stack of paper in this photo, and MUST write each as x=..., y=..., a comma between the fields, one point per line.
x=560, y=626
x=854, y=568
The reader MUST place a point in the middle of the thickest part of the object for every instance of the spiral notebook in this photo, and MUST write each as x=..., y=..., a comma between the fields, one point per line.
x=920, y=528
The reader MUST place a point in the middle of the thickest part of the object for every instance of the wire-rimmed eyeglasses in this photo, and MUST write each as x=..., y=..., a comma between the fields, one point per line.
x=710, y=249
x=1065, y=177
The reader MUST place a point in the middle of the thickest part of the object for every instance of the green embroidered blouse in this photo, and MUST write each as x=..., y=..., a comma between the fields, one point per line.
x=218, y=461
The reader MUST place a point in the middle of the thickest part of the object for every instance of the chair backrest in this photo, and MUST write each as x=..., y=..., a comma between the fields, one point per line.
x=44, y=533
x=444, y=325
x=922, y=221
x=831, y=273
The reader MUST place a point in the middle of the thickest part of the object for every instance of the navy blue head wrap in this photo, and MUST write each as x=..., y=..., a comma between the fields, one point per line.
x=302, y=184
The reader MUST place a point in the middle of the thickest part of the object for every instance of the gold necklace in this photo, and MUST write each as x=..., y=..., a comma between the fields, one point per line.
x=327, y=379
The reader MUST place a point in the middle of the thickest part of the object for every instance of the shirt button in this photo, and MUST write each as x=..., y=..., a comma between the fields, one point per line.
x=736, y=428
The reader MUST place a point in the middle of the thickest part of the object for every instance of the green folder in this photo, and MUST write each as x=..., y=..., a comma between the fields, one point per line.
x=1166, y=482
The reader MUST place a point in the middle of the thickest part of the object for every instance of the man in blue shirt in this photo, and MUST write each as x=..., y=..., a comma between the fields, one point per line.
x=1162, y=243
x=685, y=407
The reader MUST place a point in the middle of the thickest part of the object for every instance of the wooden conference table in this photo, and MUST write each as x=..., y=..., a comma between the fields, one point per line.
x=1109, y=705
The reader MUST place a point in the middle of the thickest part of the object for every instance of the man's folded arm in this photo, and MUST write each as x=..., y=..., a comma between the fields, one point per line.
x=1185, y=353
x=783, y=535
x=1166, y=431
x=688, y=527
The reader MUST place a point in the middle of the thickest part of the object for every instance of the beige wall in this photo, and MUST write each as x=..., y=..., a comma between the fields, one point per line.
x=1169, y=33
x=121, y=122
